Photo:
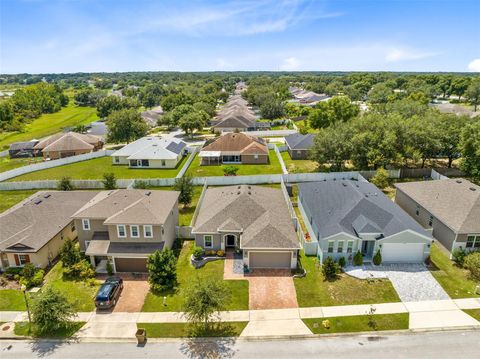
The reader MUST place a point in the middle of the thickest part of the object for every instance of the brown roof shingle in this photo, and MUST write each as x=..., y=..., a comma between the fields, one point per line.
x=238, y=142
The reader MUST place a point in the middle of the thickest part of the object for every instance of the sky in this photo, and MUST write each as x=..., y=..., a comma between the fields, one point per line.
x=54, y=36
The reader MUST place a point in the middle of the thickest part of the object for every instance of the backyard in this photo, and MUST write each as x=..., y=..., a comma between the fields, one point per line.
x=299, y=166
x=10, y=198
x=195, y=170
x=185, y=274
x=7, y=163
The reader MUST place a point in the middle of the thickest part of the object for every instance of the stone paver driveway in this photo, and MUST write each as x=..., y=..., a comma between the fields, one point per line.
x=133, y=295
x=413, y=282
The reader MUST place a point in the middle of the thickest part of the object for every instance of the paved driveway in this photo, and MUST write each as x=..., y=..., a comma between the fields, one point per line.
x=413, y=282
x=133, y=295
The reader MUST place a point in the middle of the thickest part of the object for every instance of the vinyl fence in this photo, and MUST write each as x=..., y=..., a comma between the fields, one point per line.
x=4, y=153
x=268, y=133
x=193, y=151
x=437, y=176
x=280, y=159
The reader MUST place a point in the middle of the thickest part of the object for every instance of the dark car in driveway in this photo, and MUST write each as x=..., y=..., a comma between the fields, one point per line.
x=107, y=295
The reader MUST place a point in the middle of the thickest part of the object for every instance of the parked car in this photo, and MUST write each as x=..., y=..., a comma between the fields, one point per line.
x=108, y=293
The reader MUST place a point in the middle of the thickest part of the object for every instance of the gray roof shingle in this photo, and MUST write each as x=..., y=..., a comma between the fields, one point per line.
x=297, y=141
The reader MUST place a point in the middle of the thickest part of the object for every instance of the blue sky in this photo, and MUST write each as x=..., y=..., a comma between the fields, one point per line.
x=139, y=35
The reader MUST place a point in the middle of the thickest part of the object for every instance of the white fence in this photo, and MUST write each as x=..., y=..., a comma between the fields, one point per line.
x=437, y=176
x=193, y=151
x=4, y=153
x=391, y=173
x=267, y=133
x=280, y=159
x=53, y=163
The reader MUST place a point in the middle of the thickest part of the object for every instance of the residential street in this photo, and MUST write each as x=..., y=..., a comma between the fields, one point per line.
x=456, y=344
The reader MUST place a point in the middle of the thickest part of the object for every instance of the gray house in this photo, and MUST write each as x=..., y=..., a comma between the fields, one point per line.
x=450, y=208
x=299, y=145
x=254, y=219
x=23, y=149
x=349, y=216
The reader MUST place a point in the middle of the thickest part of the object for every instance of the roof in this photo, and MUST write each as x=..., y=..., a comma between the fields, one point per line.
x=150, y=148
x=106, y=247
x=129, y=206
x=297, y=141
x=21, y=146
x=235, y=114
x=237, y=142
x=68, y=141
x=31, y=224
x=151, y=116
x=355, y=208
x=260, y=213
x=456, y=202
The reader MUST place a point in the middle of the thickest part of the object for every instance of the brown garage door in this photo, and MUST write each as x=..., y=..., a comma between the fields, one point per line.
x=131, y=264
x=269, y=259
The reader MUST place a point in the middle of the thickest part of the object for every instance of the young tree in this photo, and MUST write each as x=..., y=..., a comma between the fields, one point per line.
x=185, y=186
x=473, y=93
x=329, y=269
x=125, y=126
x=109, y=181
x=65, y=184
x=51, y=310
x=70, y=253
x=162, y=270
x=380, y=179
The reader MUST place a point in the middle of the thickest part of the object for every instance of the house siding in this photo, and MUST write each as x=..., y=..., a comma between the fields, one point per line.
x=217, y=241
x=250, y=159
x=55, y=155
x=298, y=154
x=96, y=225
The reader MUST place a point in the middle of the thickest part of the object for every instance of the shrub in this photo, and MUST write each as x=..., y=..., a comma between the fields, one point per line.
x=377, y=258
x=82, y=270
x=109, y=181
x=140, y=184
x=11, y=272
x=109, y=268
x=70, y=253
x=342, y=262
x=458, y=255
x=162, y=270
x=358, y=259
x=51, y=310
x=197, y=252
x=230, y=170
x=472, y=263
x=31, y=276
x=65, y=184
x=185, y=186
x=220, y=253
x=329, y=269
x=380, y=179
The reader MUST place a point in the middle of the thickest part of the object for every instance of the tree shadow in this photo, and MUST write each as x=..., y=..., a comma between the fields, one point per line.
x=45, y=348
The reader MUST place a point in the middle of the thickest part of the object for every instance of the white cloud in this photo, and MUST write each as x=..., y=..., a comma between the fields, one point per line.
x=403, y=54
x=290, y=64
x=474, y=65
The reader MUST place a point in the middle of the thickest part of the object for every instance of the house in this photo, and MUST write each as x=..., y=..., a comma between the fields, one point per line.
x=22, y=149
x=254, y=219
x=33, y=231
x=308, y=98
x=450, y=208
x=126, y=226
x=150, y=152
x=234, y=148
x=235, y=115
x=68, y=144
x=349, y=216
x=299, y=145
x=151, y=116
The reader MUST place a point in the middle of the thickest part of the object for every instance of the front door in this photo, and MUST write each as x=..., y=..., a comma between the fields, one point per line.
x=230, y=240
x=365, y=248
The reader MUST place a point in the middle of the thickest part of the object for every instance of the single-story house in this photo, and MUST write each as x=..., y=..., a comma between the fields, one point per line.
x=34, y=230
x=235, y=115
x=150, y=152
x=349, y=216
x=22, y=149
x=299, y=145
x=68, y=144
x=151, y=116
x=126, y=226
x=449, y=208
x=234, y=148
x=254, y=219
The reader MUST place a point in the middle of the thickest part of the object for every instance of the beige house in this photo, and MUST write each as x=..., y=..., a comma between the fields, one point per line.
x=68, y=144
x=34, y=230
x=126, y=226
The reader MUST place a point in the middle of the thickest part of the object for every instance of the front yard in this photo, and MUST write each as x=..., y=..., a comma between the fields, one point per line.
x=185, y=274
x=183, y=330
x=273, y=167
x=299, y=166
x=314, y=291
x=11, y=300
x=24, y=329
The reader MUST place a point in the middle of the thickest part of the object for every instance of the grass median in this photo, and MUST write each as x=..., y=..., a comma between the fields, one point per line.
x=187, y=330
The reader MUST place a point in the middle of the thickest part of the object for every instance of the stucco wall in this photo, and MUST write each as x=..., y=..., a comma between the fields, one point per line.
x=250, y=159
x=96, y=225
x=54, y=155
x=217, y=241
x=298, y=154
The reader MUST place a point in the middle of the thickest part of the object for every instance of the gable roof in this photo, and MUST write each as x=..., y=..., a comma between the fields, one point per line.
x=151, y=148
x=32, y=223
x=297, y=141
x=456, y=202
x=130, y=206
x=68, y=141
x=20, y=146
x=151, y=116
x=354, y=208
x=260, y=213
x=237, y=142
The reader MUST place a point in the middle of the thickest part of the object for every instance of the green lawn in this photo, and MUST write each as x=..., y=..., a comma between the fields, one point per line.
x=24, y=329
x=186, y=213
x=313, y=291
x=7, y=163
x=11, y=299
x=195, y=170
x=299, y=166
x=10, y=198
x=51, y=123
x=185, y=274
x=358, y=323
x=453, y=279
x=94, y=169
x=183, y=330
x=475, y=313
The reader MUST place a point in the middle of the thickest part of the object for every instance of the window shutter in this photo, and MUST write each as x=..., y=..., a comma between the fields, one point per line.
x=27, y=258
x=17, y=260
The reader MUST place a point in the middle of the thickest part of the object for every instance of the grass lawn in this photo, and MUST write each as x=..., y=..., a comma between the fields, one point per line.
x=313, y=291
x=24, y=329
x=183, y=330
x=10, y=198
x=7, y=163
x=358, y=323
x=186, y=214
x=185, y=274
x=453, y=279
x=51, y=123
x=11, y=299
x=475, y=313
x=299, y=166
x=80, y=293
x=94, y=169
x=195, y=170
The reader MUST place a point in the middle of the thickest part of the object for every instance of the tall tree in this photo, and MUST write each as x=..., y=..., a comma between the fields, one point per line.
x=185, y=186
x=51, y=310
x=125, y=126
x=473, y=93
x=162, y=270
x=470, y=145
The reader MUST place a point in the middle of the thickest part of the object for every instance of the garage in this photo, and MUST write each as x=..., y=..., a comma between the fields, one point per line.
x=402, y=252
x=131, y=265
x=270, y=259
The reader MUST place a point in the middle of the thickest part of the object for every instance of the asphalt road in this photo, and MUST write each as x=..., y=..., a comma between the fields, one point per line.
x=454, y=344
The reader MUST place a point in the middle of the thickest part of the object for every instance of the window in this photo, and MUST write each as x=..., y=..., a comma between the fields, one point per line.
x=147, y=231
x=349, y=246
x=417, y=211
x=117, y=160
x=255, y=157
x=430, y=221
x=133, y=163
x=473, y=242
x=86, y=224
x=145, y=163
x=163, y=163
x=208, y=241
x=21, y=259
x=121, y=231
x=331, y=244
x=340, y=247
x=72, y=226
x=134, y=233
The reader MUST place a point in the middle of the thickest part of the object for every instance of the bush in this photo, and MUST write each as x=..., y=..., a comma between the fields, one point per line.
x=358, y=259
x=162, y=270
x=377, y=258
x=380, y=179
x=472, y=263
x=65, y=184
x=230, y=170
x=458, y=256
x=51, y=310
x=82, y=270
x=342, y=262
x=11, y=272
x=109, y=181
x=70, y=253
x=329, y=269
x=140, y=184
x=221, y=253
x=31, y=276
x=197, y=252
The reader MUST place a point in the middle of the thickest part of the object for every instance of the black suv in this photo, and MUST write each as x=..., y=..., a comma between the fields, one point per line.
x=108, y=293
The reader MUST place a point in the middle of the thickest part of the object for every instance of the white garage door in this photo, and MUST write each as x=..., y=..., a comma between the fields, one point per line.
x=402, y=252
x=269, y=259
